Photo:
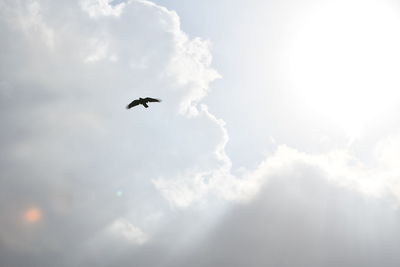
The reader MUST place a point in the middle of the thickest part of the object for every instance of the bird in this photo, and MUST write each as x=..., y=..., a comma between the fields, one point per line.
x=142, y=101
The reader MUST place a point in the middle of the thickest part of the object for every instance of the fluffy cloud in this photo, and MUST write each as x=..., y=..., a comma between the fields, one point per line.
x=300, y=219
x=99, y=8
x=70, y=149
x=304, y=213
x=86, y=182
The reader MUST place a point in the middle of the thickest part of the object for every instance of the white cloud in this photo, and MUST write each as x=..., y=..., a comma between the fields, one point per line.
x=338, y=167
x=97, y=8
x=124, y=229
x=100, y=174
x=388, y=151
x=29, y=18
x=99, y=50
x=68, y=136
x=190, y=66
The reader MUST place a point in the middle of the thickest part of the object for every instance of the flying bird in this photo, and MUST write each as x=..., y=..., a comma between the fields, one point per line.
x=142, y=101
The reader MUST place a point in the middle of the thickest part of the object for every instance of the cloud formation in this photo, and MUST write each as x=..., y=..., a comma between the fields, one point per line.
x=70, y=149
x=86, y=182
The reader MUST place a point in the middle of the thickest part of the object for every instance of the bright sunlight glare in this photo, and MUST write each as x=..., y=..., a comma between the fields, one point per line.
x=345, y=62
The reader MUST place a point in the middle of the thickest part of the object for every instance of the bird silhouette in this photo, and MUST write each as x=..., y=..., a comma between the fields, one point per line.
x=142, y=101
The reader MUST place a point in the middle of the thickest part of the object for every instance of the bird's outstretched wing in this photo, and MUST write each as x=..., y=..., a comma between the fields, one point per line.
x=133, y=103
x=149, y=99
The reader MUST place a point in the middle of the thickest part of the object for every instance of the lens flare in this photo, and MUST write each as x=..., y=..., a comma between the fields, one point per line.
x=33, y=215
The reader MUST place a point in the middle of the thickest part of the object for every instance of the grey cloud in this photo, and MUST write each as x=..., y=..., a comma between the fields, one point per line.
x=69, y=147
x=303, y=221
x=298, y=218
x=71, y=150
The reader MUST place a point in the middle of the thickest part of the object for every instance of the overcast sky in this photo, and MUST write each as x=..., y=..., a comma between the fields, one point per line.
x=277, y=141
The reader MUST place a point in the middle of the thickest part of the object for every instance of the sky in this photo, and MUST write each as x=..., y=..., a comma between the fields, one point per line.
x=276, y=142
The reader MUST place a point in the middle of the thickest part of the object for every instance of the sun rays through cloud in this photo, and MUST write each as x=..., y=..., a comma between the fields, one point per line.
x=276, y=142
